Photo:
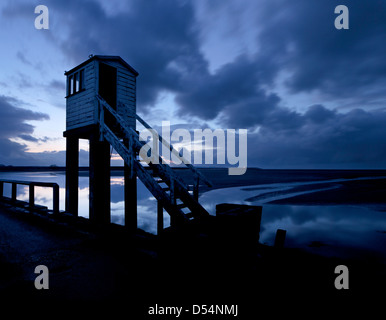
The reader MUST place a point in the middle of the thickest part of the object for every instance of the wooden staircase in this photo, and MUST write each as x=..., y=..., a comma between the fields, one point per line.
x=173, y=194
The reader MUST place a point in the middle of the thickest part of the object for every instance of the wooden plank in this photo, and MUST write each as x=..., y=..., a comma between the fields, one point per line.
x=160, y=169
x=79, y=109
x=80, y=112
x=72, y=175
x=79, y=96
x=81, y=117
x=14, y=191
x=122, y=88
x=174, y=151
x=160, y=218
x=99, y=197
x=55, y=199
x=127, y=75
x=27, y=183
x=31, y=196
x=280, y=238
x=79, y=125
x=81, y=100
x=125, y=98
x=120, y=67
x=145, y=177
x=126, y=82
x=131, y=221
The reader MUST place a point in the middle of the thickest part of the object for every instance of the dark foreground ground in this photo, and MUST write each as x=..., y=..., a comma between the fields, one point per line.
x=94, y=270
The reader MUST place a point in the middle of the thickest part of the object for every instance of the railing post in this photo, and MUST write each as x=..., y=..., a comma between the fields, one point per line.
x=130, y=178
x=101, y=120
x=196, y=186
x=130, y=147
x=31, y=196
x=160, y=218
x=99, y=177
x=31, y=192
x=173, y=150
x=55, y=198
x=172, y=199
x=172, y=195
x=14, y=191
x=280, y=238
x=72, y=175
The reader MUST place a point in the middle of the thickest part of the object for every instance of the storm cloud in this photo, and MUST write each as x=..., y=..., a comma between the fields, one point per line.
x=301, y=35
x=13, y=124
x=297, y=50
x=324, y=139
x=158, y=38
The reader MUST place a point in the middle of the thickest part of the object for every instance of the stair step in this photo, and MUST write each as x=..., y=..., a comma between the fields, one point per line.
x=189, y=215
x=158, y=173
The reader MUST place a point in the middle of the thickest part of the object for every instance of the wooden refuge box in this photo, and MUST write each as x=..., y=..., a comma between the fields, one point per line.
x=114, y=80
x=108, y=76
x=101, y=107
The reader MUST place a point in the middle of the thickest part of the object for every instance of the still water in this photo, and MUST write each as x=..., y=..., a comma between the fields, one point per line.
x=344, y=231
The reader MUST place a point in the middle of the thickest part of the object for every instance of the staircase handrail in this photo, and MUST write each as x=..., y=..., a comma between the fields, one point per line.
x=197, y=173
x=176, y=153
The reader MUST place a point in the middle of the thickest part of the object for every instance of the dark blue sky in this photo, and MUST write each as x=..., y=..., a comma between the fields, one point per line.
x=311, y=96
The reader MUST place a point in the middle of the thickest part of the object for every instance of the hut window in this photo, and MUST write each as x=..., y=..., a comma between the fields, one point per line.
x=76, y=82
x=70, y=85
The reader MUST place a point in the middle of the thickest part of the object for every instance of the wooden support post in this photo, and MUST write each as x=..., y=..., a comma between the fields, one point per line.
x=130, y=190
x=280, y=238
x=101, y=120
x=196, y=186
x=14, y=191
x=72, y=175
x=130, y=199
x=173, y=220
x=99, y=182
x=55, y=198
x=160, y=218
x=31, y=196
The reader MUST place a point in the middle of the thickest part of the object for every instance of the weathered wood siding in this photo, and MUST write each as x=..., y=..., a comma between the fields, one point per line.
x=126, y=87
x=80, y=107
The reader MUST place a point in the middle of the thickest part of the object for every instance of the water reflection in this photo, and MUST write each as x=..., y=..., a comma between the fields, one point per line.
x=340, y=230
x=146, y=206
x=329, y=230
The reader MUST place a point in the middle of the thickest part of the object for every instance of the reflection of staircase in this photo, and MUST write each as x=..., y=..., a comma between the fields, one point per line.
x=178, y=199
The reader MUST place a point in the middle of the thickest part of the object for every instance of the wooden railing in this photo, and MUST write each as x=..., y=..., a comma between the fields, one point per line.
x=126, y=141
x=32, y=185
x=198, y=176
